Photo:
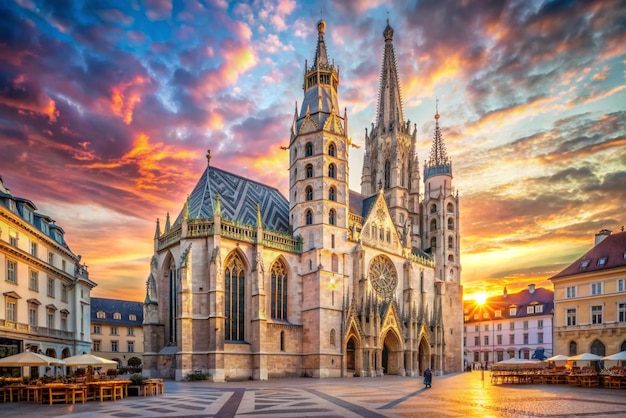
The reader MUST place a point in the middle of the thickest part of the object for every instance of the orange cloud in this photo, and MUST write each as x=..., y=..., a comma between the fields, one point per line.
x=124, y=98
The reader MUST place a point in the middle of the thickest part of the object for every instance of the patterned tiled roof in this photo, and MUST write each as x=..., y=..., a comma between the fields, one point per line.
x=611, y=249
x=238, y=200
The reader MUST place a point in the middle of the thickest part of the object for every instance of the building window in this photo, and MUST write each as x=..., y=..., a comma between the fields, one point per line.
x=512, y=326
x=525, y=324
x=101, y=315
x=332, y=337
x=309, y=171
x=596, y=288
x=498, y=314
x=513, y=312
x=387, y=174
x=131, y=346
x=132, y=317
x=486, y=338
x=331, y=194
x=309, y=193
x=331, y=217
x=499, y=327
x=538, y=308
x=621, y=312
x=114, y=346
x=573, y=348
x=571, y=317
x=50, y=320
x=602, y=261
x=486, y=327
x=571, y=292
x=279, y=291
x=332, y=171
x=13, y=238
x=234, y=295
x=96, y=345
x=525, y=336
x=97, y=329
x=620, y=285
x=114, y=331
x=50, y=287
x=309, y=217
x=499, y=339
x=64, y=292
x=33, y=248
x=63, y=265
x=117, y=315
x=33, y=280
x=450, y=242
x=130, y=331
x=530, y=309
x=584, y=264
x=596, y=314
x=450, y=223
x=511, y=338
x=63, y=322
x=485, y=315
x=540, y=338
x=308, y=149
x=331, y=150
x=32, y=314
x=540, y=323
x=51, y=258
x=11, y=271
x=476, y=340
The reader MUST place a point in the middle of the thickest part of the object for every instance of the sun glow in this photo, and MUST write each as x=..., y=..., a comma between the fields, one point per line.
x=480, y=297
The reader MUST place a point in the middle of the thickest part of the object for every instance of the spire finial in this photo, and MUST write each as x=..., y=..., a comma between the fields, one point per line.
x=437, y=108
x=208, y=157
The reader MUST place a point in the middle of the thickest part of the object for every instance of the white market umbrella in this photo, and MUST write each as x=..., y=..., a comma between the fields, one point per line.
x=88, y=360
x=585, y=357
x=28, y=358
x=617, y=356
x=558, y=357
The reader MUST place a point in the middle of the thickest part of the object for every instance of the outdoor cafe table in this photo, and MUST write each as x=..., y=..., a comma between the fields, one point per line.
x=109, y=389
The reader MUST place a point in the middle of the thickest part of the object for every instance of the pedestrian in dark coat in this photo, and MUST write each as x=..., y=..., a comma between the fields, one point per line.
x=428, y=378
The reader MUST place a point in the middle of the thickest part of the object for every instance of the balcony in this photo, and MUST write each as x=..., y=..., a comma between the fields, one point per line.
x=34, y=330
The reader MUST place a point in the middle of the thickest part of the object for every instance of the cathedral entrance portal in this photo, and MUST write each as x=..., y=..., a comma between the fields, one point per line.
x=350, y=355
x=391, y=356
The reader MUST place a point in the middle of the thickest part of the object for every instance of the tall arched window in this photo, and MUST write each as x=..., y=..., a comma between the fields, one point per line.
x=234, y=298
x=331, y=150
x=309, y=171
x=387, y=174
x=450, y=242
x=308, y=149
x=332, y=171
x=573, y=348
x=331, y=194
x=598, y=348
x=309, y=193
x=433, y=225
x=450, y=223
x=279, y=291
x=173, y=301
x=450, y=207
x=309, y=217
x=433, y=242
x=331, y=217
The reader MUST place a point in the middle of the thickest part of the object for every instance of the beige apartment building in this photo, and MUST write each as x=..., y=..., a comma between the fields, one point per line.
x=117, y=330
x=590, y=299
x=45, y=289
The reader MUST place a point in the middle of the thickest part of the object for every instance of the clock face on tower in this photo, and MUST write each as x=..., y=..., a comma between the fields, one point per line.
x=383, y=276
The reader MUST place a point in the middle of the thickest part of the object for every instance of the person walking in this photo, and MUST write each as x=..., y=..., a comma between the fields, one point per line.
x=428, y=378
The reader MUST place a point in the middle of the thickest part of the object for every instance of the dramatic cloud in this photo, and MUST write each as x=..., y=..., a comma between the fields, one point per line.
x=107, y=112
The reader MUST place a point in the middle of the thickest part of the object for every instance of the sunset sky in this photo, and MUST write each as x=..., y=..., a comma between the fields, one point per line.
x=107, y=110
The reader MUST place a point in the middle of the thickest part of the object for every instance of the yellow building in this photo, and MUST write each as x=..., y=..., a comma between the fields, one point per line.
x=590, y=299
x=117, y=330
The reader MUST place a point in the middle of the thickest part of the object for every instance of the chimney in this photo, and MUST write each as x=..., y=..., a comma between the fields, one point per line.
x=531, y=288
x=600, y=236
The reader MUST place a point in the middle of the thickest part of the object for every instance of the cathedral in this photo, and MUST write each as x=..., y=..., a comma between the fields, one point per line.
x=246, y=284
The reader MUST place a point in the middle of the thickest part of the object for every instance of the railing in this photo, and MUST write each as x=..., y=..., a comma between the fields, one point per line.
x=246, y=233
x=170, y=238
x=279, y=241
x=352, y=218
x=34, y=330
x=200, y=228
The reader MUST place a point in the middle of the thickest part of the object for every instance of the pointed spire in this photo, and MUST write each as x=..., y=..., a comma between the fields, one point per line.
x=438, y=162
x=321, y=57
x=167, y=222
x=390, y=114
x=157, y=232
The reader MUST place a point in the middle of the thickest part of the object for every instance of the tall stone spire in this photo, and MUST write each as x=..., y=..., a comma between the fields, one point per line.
x=438, y=161
x=390, y=115
x=321, y=57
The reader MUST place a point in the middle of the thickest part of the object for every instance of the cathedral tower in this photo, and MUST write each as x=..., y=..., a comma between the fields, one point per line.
x=441, y=211
x=390, y=161
x=319, y=199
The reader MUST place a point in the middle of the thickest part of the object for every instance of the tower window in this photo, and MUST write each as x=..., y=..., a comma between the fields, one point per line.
x=309, y=217
x=450, y=223
x=309, y=171
x=331, y=194
x=331, y=217
x=450, y=207
x=234, y=289
x=433, y=208
x=309, y=193
x=433, y=225
x=387, y=174
x=450, y=242
x=308, y=149
x=331, y=150
x=332, y=171
x=279, y=291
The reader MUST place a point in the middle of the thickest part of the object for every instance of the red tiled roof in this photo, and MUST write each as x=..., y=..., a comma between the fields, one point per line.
x=612, y=247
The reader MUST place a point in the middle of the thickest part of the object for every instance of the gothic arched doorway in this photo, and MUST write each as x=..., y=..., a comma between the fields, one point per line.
x=392, y=354
x=423, y=355
x=350, y=355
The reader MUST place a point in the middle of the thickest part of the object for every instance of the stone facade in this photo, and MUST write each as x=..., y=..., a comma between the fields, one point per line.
x=246, y=284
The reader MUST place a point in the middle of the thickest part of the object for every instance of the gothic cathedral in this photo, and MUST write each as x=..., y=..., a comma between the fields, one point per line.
x=245, y=284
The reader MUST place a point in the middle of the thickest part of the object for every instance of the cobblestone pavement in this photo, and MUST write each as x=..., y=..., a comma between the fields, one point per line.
x=458, y=395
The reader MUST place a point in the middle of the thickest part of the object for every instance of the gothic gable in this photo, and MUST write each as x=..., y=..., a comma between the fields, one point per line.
x=379, y=230
x=390, y=320
x=333, y=124
x=308, y=125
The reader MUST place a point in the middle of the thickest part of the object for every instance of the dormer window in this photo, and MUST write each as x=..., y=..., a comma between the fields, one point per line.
x=584, y=264
x=512, y=311
x=132, y=317
x=101, y=315
x=12, y=206
x=602, y=261
x=117, y=315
